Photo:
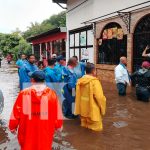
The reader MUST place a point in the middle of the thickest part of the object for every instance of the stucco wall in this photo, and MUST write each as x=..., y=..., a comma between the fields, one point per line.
x=94, y=8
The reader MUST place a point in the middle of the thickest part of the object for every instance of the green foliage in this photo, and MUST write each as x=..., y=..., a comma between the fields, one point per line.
x=22, y=48
x=13, y=43
x=53, y=22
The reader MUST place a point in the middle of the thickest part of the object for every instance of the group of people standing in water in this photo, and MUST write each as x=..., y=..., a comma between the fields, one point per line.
x=140, y=78
x=37, y=113
x=74, y=85
x=59, y=76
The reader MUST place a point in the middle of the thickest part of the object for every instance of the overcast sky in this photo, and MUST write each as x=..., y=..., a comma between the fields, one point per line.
x=20, y=13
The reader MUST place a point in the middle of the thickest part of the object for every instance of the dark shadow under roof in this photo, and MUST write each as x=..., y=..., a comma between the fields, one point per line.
x=60, y=1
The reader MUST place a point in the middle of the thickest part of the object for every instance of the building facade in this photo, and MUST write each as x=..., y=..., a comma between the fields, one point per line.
x=48, y=43
x=103, y=31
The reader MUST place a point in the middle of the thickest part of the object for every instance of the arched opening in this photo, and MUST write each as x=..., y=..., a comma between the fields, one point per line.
x=112, y=44
x=141, y=40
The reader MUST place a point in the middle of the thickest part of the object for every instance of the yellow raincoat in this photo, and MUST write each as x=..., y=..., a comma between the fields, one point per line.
x=90, y=102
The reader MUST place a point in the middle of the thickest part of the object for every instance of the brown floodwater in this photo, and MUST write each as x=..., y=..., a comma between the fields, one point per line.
x=126, y=123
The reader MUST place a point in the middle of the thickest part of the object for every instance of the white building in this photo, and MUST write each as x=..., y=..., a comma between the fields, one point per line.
x=104, y=30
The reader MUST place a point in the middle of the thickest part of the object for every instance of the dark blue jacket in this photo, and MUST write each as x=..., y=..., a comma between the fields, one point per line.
x=25, y=72
x=70, y=80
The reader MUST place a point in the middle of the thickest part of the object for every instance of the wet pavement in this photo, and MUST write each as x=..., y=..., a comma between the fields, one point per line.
x=126, y=124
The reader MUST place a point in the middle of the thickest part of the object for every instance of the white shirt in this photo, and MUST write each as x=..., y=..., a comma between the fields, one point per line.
x=148, y=54
x=121, y=75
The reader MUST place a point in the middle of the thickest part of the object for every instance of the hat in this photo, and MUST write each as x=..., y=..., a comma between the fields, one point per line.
x=60, y=58
x=145, y=64
x=84, y=60
x=38, y=75
x=54, y=55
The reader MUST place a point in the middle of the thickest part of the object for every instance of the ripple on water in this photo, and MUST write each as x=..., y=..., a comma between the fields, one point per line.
x=120, y=124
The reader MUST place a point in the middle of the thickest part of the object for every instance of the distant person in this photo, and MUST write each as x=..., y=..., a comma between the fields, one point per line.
x=145, y=54
x=45, y=63
x=53, y=79
x=51, y=75
x=0, y=60
x=1, y=107
x=40, y=65
x=122, y=76
x=36, y=115
x=80, y=68
x=25, y=72
x=90, y=101
x=70, y=80
x=1, y=102
x=61, y=63
x=54, y=56
x=9, y=58
x=20, y=62
x=142, y=80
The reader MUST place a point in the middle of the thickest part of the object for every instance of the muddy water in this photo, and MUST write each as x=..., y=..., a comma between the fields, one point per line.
x=126, y=124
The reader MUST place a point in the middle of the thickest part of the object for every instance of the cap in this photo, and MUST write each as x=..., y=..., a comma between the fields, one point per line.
x=54, y=55
x=84, y=60
x=145, y=64
x=38, y=75
x=60, y=58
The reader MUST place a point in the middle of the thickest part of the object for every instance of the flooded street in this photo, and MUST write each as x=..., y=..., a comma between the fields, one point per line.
x=126, y=124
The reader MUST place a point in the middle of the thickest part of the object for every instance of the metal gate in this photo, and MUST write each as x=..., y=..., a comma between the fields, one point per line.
x=141, y=40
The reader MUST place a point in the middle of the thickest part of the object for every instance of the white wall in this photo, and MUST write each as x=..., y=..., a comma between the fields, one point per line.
x=95, y=8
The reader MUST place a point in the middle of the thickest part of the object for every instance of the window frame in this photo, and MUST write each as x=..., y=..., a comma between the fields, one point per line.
x=79, y=31
x=118, y=45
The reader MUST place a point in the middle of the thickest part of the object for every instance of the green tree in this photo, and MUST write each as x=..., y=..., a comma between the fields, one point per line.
x=54, y=21
x=8, y=42
x=22, y=48
x=14, y=43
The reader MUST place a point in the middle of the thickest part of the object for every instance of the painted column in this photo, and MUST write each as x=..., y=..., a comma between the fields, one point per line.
x=130, y=52
x=67, y=47
x=46, y=49
x=32, y=49
x=51, y=49
x=40, y=52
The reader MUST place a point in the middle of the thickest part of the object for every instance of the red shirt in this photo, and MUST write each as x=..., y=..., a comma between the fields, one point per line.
x=36, y=118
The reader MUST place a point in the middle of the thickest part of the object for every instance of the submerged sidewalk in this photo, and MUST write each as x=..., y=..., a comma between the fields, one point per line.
x=126, y=124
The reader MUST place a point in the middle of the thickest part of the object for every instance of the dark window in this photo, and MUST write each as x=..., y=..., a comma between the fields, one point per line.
x=141, y=40
x=112, y=44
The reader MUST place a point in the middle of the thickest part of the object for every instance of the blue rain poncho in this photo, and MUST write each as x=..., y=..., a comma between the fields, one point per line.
x=51, y=77
x=59, y=69
x=25, y=72
x=80, y=69
x=70, y=80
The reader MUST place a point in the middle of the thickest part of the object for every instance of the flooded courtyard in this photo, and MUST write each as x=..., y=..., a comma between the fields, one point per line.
x=126, y=124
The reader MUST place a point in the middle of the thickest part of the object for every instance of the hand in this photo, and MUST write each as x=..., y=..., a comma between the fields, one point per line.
x=14, y=132
x=147, y=47
x=59, y=129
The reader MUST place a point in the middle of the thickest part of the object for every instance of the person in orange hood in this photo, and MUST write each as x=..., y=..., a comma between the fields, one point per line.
x=36, y=115
x=90, y=101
